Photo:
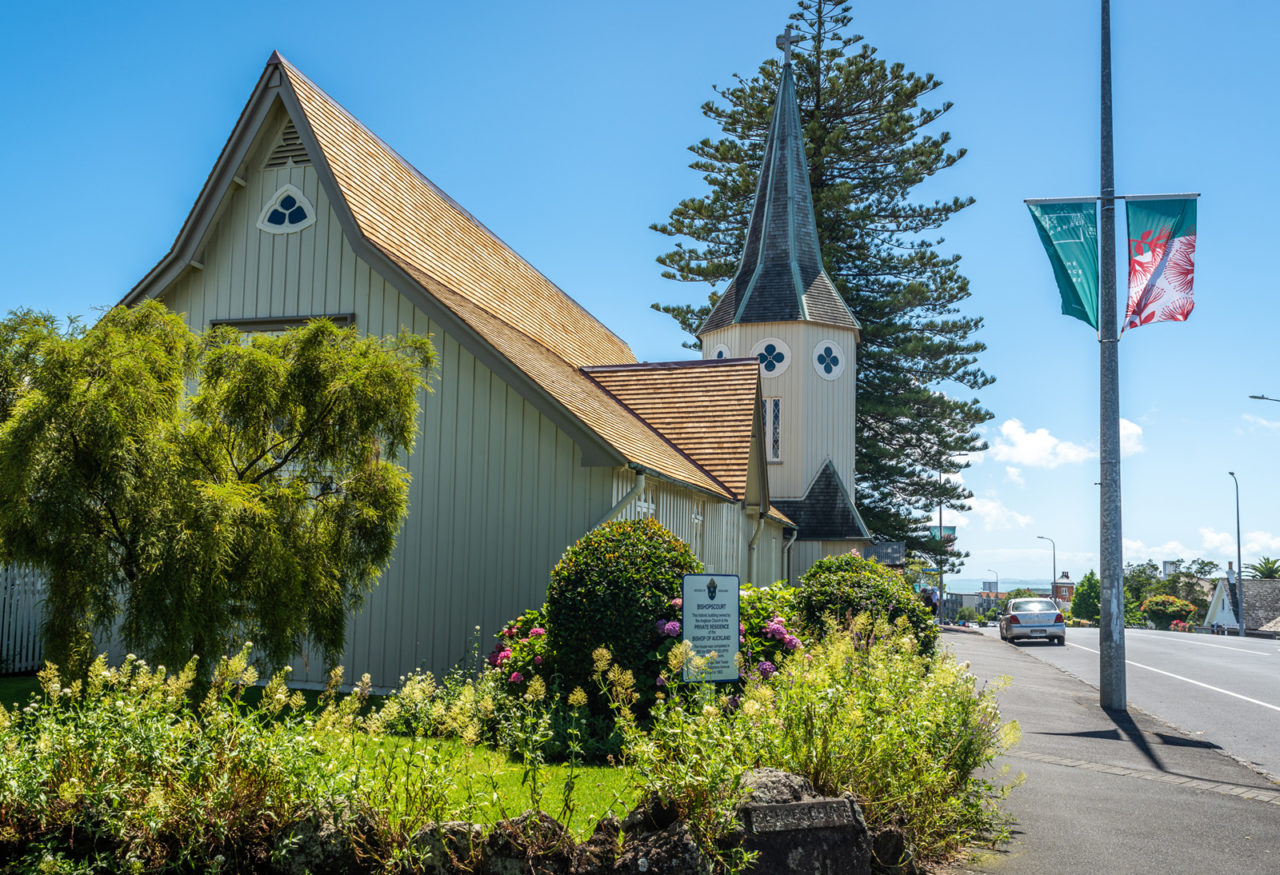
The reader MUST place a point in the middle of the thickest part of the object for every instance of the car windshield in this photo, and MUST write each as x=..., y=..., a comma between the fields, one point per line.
x=1032, y=605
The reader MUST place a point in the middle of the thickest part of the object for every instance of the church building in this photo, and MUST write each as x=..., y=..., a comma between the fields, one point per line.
x=542, y=424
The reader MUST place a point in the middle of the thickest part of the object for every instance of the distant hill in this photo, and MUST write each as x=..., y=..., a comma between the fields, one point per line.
x=1007, y=584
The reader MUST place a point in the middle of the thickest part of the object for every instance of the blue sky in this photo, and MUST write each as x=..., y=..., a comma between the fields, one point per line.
x=564, y=127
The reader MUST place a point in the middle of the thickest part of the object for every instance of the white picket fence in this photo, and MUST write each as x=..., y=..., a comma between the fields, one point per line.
x=21, y=602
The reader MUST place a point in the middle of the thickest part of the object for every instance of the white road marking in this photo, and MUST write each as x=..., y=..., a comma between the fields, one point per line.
x=1190, y=681
x=1222, y=646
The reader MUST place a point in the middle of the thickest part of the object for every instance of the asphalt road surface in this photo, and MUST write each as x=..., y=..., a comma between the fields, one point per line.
x=1218, y=688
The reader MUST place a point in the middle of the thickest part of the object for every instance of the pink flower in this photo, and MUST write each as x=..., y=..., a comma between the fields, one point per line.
x=537, y=632
x=510, y=632
x=677, y=603
x=791, y=642
x=742, y=639
x=672, y=628
x=742, y=630
x=524, y=640
x=517, y=678
x=537, y=660
x=503, y=657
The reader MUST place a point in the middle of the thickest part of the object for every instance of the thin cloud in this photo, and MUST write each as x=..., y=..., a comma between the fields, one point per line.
x=1258, y=420
x=1130, y=438
x=1036, y=449
x=1014, y=475
x=995, y=515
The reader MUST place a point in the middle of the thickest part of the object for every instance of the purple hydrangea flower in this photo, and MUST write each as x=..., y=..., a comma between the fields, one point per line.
x=766, y=668
x=672, y=628
x=791, y=642
x=662, y=627
x=661, y=681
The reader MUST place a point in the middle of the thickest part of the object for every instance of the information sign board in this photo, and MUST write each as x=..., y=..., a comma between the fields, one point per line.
x=709, y=622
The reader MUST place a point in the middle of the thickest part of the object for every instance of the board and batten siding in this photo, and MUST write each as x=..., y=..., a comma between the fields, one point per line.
x=718, y=532
x=498, y=490
x=817, y=414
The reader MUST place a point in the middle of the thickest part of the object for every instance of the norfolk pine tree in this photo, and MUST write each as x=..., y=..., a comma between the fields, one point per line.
x=867, y=149
x=262, y=507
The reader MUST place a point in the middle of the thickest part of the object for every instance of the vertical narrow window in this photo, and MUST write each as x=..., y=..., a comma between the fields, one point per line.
x=773, y=429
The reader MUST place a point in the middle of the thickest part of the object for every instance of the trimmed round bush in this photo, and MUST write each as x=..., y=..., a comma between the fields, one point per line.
x=837, y=588
x=608, y=590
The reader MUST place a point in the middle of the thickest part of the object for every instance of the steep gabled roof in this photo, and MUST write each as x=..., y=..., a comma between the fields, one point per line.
x=780, y=277
x=708, y=409
x=826, y=513
x=1261, y=602
x=452, y=266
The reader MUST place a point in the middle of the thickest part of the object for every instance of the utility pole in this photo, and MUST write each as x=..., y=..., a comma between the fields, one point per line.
x=1111, y=631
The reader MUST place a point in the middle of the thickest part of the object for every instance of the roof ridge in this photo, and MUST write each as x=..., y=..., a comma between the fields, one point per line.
x=277, y=58
x=671, y=365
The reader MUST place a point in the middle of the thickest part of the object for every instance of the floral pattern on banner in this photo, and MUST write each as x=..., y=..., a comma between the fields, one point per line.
x=1162, y=266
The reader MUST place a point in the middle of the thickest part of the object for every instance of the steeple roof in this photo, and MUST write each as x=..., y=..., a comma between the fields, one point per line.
x=780, y=277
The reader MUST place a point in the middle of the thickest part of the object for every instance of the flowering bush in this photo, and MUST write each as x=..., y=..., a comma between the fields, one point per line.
x=611, y=589
x=1162, y=610
x=839, y=588
x=1179, y=626
x=768, y=627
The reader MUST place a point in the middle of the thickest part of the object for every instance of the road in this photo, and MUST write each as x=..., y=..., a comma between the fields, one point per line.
x=1222, y=689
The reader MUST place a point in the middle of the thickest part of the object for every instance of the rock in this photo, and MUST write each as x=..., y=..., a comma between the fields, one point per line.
x=600, y=852
x=320, y=843
x=650, y=815
x=774, y=787
x=792, y=829
x=532, y=844
x=892, y=851
x=451, y=846
x=670, y=851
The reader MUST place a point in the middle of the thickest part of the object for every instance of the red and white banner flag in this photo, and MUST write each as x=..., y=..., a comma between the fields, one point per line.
x=1162, y=260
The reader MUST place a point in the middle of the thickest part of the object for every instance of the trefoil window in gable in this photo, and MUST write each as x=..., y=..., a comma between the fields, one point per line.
x=288, y=210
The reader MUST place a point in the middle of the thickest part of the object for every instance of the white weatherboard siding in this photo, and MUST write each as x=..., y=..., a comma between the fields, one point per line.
x=817, y=414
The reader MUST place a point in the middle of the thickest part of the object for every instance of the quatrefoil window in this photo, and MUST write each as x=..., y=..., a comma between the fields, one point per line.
x=828, y=359
x=287, y=211
x=773, y=355
x=720, y=352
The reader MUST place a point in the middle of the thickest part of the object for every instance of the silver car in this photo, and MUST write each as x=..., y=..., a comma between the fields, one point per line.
x=1033, y=620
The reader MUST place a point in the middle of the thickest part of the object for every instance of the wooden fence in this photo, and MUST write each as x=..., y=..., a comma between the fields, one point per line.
x=21, y=601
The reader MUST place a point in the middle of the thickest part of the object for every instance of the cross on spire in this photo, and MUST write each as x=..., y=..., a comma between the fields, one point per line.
x=785, y=41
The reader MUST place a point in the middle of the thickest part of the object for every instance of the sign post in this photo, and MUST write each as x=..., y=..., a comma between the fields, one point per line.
x=709, y=622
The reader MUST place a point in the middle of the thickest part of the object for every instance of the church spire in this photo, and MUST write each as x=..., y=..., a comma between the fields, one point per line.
x=780, y=277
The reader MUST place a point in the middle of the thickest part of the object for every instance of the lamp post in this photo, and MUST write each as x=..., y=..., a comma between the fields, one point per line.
x=1239, y=564
x=1263, y=398
x=1055, y=561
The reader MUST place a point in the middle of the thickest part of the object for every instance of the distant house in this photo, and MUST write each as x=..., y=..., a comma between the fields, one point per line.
x=543, y=424
x=1261, y=605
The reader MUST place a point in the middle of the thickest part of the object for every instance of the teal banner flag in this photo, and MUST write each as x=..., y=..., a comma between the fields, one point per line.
x=1162, y=260
x=1069, y=232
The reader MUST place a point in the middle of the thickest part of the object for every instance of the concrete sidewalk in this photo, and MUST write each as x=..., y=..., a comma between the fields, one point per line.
x=1115, y=792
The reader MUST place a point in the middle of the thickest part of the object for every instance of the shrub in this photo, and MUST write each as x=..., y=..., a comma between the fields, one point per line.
x=769, y=624
x=610, y=589
x=1163, y=610
x=865, y=712
x=842, y=587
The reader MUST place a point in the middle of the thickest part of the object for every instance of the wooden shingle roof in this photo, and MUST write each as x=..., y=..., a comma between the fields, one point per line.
x=706, y=408
x=516, y=310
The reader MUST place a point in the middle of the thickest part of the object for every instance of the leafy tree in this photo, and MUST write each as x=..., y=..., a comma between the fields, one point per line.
x=1139, y=578
x=865, y=122
x=1265, y=568
x=968, y=614
x=1086, y=604
x=261, y=507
